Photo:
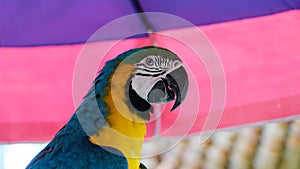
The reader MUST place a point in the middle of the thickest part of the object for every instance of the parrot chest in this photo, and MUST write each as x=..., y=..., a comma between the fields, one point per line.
x=126, y=130
x=128, y=140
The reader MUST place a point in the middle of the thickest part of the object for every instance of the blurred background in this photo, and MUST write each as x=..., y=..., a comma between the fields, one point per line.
x=271, y=146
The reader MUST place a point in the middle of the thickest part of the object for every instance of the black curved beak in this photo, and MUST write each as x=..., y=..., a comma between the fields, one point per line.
x=173, y=86
x=178, y=82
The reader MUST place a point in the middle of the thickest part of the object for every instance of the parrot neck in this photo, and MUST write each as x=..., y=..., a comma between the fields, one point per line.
x=125, y=130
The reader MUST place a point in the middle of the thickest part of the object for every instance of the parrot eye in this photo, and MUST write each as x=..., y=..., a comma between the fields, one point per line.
x=149, y=61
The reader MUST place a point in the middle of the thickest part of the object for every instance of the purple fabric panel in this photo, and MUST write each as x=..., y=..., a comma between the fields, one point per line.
x=213, y=11
x=294, y=3
x=42, y=22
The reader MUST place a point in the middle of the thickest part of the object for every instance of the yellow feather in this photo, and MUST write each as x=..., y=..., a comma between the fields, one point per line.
x=126, y=131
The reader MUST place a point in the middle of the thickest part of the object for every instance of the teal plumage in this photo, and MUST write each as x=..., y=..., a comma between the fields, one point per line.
x=71, y=147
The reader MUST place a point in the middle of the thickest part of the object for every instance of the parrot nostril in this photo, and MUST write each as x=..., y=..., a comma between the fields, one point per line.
x=176, y=63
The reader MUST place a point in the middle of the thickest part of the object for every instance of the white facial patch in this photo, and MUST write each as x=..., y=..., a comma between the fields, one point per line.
x=142, y=85
x=149, y=71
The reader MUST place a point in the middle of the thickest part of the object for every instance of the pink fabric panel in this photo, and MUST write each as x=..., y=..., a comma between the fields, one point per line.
x=261, y=62
x=260, y=58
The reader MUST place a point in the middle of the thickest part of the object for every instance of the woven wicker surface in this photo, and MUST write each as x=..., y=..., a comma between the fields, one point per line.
x=272, y=146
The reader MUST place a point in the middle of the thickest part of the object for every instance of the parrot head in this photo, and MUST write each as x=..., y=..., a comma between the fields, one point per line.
x=157, y=76
x=124, y=92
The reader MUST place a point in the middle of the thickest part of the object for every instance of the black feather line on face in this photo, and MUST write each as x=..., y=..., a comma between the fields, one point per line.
x=153, y=75
x=142, y=106
x=150, y=71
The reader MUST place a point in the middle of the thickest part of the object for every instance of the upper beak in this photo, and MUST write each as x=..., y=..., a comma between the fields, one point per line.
x=178, y=83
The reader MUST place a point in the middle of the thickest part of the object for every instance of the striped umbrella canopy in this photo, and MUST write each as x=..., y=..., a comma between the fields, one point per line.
x=50, y=51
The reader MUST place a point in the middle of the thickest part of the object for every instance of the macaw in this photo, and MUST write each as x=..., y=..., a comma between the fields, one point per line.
x=107, y=130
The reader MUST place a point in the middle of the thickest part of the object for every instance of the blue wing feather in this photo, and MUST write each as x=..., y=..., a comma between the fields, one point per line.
x=71, y=148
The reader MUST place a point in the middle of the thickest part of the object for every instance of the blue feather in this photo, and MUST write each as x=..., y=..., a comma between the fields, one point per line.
x=71, y=148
